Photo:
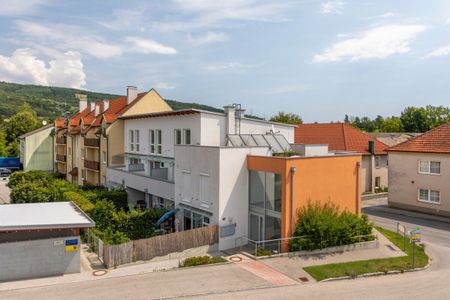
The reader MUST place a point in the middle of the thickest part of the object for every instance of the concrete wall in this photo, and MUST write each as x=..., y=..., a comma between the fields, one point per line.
x=405, y=181
x=38, y=258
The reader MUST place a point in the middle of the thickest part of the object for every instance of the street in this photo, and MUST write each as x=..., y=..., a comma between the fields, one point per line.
x=230, y=281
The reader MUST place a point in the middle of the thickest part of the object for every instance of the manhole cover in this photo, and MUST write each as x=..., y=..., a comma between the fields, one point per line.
x=235, y=259
x=303, y=279
x=99, y=272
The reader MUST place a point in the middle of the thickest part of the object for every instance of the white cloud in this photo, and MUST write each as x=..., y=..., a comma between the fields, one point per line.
x=206, y=13
x=384, y=16
x=331, y=7
x=208, y=38
x=17, y=8
x=126, y=18
x=441, y=51
x=148, y=46
x=66, y=37
x=23, y=66
x=164, y=85
x=447, y=21
x=379, y=42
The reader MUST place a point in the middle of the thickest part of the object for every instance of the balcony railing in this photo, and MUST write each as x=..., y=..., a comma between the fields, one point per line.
x=62, y=140
x=136, y=167
x=90, y=142
x=93, y=165
x=61, y=157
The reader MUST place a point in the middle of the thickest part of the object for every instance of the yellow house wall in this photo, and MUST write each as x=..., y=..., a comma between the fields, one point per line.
x=151, y=102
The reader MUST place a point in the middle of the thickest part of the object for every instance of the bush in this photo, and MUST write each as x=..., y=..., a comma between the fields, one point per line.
x=20, y=177
x=83, y=203
x=201, y=260
x=111, y=237
x=118, y=197
x=322, y=225
x=30, y=192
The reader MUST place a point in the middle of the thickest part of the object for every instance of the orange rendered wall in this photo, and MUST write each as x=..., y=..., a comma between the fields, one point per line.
x=323, y=179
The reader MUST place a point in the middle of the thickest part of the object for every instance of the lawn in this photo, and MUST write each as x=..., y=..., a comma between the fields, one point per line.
x=356, y=268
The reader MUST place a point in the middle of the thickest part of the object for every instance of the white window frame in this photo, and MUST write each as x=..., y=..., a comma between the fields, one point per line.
x=158, y=141
x=131, y=139
x=427, y=167
x=137, y=138
x=152, y=141
x=134, y=140
x=204, y=193
x=429, y=192
x=178, y=135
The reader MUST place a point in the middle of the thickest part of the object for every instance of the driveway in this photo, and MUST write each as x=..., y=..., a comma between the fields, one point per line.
x=4, y=191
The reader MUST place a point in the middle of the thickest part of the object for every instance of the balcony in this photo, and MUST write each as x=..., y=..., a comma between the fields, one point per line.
x=61, y=140
x=90, y=142
x=61, y=158
x=92, y=165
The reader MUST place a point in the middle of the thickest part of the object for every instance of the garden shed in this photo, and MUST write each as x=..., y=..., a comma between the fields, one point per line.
x=40, y=239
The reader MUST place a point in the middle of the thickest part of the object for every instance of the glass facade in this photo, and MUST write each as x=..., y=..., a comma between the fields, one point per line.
x=265, y=206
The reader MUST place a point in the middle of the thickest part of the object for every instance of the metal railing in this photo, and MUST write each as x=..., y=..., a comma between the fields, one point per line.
x=61, y=157
x=62, y=140
x=94, y=243
x=93, y=165
x=275, y=246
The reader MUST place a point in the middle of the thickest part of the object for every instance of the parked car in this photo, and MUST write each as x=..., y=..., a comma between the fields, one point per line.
x=4, y=172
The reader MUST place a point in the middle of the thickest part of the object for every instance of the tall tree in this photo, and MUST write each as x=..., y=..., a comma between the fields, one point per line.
x=25, y=120
x=287, y=118
x=415, y=119
x=392, y=124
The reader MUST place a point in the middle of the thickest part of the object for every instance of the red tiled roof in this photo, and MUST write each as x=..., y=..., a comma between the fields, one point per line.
x=75, y=119
x=75, y=130
x=339, y=137
x=59, y=123
x=436, y=140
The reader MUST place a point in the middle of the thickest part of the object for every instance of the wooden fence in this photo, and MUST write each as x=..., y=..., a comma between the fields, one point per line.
x=161, y=245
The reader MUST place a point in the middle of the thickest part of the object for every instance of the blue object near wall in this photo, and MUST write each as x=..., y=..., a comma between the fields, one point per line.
x=10, y=162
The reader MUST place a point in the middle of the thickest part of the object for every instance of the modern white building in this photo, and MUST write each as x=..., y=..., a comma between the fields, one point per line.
x=196, y=161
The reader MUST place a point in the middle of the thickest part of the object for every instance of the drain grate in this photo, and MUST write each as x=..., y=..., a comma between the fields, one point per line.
x=303, y=279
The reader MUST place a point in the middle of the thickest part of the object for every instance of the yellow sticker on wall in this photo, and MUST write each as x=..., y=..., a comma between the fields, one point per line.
x=71, y=248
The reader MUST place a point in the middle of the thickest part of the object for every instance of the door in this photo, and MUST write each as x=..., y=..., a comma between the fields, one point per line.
x=256, y=227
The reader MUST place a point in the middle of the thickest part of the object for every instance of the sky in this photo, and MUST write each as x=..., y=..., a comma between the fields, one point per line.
x=318, y=59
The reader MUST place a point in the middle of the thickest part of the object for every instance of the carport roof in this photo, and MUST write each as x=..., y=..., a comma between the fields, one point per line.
x=52, y=215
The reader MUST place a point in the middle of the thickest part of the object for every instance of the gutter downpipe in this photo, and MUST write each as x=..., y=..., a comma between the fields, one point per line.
x=358, y=167
x=293, y=171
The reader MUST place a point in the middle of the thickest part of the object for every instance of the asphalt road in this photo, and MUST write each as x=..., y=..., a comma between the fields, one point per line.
x=231, y=282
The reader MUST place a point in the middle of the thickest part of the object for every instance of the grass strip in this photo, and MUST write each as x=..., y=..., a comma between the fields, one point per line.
x=201, y=260
x=355, y=268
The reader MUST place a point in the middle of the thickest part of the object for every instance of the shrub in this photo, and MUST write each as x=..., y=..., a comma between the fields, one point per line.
x=80, y=200
x=322, y=225
x=111, y=237
x=30, y=192
x=20, y=177
x=103, y=214
x=201, y=260
x=118, y=197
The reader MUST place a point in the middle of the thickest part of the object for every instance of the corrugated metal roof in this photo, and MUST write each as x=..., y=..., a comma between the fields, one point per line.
x=51, y=215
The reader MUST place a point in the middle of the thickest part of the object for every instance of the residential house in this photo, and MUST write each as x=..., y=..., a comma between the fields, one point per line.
x=419, y=173
x=36, y=149
x=200, y=164
x=393, y=138
x=93, y=138
x=343, y=137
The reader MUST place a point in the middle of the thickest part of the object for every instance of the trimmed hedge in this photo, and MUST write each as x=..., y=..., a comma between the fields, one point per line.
x=201, y=260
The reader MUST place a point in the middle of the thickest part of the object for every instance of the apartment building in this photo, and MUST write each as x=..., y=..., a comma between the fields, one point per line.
x=419, y=173
x=37, y=149
x=343, y=137
x=92, y=139
x=200, y=164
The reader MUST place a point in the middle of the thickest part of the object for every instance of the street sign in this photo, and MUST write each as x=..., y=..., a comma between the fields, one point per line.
x=71, y=242
x=401, y=229
x=415, y=234
x=71, y=248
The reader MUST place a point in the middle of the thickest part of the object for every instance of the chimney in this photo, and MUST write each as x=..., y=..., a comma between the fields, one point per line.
x=230, y=115
x=372, y=147
x=131, y=93
x=105, y=105
x=97, y=110
x=92, y=106
x=82, y=104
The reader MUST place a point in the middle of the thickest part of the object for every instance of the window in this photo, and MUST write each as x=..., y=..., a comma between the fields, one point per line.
x=429, y=196
x=187, y=136
x=204, y=191
x=194, y=220
x=186, y=187
x=159, y=141
x=378, y=181
x=178, y=139
x=430, y=167
x=134, y=140
x=152, y=141
x=105, y=158
x=377, y=161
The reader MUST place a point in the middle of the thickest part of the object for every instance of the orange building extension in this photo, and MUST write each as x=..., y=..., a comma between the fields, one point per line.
x=322, y=178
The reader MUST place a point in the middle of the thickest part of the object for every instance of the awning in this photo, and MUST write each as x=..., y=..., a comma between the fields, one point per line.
x=166, y=216
x=74, y=171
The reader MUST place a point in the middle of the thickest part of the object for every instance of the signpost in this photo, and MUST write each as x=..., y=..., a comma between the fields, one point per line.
x=415, y=237
x=402, y=230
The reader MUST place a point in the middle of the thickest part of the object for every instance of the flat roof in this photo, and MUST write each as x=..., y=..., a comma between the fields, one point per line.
x=49, y=215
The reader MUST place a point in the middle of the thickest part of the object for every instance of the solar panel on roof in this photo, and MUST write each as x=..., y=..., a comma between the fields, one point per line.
x=236, y=140
x=283, y=142
x=260, y=140
x=248, y=140
x=273, y=143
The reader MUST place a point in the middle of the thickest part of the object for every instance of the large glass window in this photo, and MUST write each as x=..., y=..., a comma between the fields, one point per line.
x=430, y=167
x=257, y=188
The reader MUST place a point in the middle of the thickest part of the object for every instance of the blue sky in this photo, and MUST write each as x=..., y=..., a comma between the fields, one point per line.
x=320, y=59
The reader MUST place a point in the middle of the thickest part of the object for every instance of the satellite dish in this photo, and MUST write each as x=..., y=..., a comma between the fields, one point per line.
x=44, y=122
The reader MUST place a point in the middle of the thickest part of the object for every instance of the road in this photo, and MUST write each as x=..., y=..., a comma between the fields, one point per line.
x=4, y=191
x=229, y=281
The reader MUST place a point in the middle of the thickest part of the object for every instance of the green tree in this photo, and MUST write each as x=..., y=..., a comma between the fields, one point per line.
x=287, y=118
x=437, y=115
x=3, y=147
x=414, y=119
x=25, y=120
x=392, y=124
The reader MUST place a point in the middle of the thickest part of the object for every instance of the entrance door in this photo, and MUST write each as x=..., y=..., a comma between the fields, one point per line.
x=256, y=227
